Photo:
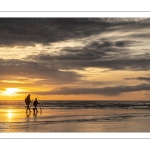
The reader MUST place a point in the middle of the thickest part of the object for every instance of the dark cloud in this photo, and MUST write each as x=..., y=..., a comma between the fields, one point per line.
x=109, y=91
x=97, y=51
x=95, y=58
x=92, y=51
x=29, y=31
x=124, y=64
x=144, y=78
x=96, y=45
x=140, y=35
x=122, y=43
x=139, y=78
x=30, y=69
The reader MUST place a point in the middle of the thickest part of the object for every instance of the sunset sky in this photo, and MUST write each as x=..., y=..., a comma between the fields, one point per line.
x=75, y=58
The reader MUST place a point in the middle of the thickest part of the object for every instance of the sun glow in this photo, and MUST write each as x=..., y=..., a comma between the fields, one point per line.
x=11, y=91
x=9, y=114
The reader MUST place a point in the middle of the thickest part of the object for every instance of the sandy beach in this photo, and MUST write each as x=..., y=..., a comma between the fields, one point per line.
x=75, y=120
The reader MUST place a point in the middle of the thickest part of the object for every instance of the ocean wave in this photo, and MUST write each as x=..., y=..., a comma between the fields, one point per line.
x=81, y=104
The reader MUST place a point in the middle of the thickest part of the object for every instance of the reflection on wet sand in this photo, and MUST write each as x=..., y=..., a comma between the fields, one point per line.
x=75, y=120
x=28, y=114
x=9, y=114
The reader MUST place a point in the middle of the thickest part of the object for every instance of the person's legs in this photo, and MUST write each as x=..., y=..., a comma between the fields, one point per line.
x=28, y=107
x=36, y=108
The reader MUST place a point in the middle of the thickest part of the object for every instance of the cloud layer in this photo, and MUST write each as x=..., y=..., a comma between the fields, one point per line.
x=59, y=51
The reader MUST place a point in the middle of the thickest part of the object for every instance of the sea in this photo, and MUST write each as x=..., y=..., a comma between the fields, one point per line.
x=75, y=116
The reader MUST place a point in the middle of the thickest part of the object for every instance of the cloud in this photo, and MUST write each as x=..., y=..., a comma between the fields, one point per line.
x=139, y=78
x=30, y=31
x=57, y=69
x=112, y=53
x=99, y=59
x=122, y=43
x=108, y=91
x=144, y=78
x=44, y=71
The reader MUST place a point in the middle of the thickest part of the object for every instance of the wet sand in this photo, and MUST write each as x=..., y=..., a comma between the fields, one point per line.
x=75, y=120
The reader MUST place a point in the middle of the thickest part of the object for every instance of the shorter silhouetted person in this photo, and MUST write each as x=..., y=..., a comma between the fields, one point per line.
x=28, y=101
x=35, y=103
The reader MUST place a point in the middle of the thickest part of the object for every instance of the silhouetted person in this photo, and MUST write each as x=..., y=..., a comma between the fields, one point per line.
x=35, y=103
x=28, y=101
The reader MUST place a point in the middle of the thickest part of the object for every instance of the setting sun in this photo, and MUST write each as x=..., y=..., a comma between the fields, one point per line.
x=11, y=91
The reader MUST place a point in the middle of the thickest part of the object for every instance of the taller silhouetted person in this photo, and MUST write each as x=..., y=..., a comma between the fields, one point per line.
x=28, y=101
